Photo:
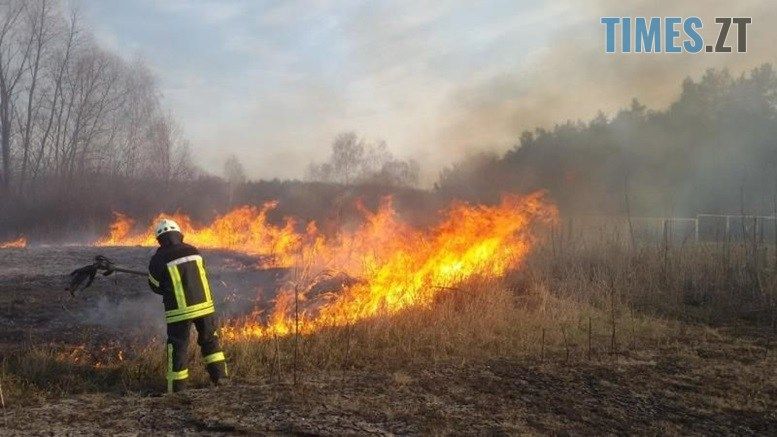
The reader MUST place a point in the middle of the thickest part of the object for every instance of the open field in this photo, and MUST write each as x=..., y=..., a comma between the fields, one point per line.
x=414, y=218
x=718, y=385
x=586, y=337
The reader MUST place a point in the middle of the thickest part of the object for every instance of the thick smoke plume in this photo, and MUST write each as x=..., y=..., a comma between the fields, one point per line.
x=573, y=79
x=711, y=151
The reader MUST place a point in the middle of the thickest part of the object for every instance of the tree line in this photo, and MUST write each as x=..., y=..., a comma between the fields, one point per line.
x=83, y=133
x=712, y=150
x=70, y=109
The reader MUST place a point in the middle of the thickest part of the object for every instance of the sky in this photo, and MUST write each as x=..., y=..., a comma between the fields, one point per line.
x=274, y=82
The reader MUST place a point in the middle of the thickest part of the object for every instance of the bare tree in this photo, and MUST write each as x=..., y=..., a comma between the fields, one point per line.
x=235, y=175
x=354, y=160
x=347, y=156
x=39, y=22
x=15, y=49
x=71, y=110
x=234, y=172
x=51, y=97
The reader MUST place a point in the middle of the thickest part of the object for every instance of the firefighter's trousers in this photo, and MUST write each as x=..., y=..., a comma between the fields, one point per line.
x=177, y=344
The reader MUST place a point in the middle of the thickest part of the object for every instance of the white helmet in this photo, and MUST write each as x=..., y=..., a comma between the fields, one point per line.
x=166, y=225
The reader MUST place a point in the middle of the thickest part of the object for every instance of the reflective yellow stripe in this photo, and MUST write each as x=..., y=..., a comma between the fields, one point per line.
x=182, y=310
x=175, y=276
x=204, y=279
x=190, y=315
x=153, y=280
x=214, y=358
x=177, y=376
x=172, y=375
x=189, y=309
x=184, y=259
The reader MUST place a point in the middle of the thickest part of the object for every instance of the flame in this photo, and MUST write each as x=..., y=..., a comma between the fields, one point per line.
x=106, y=356
x=383, y=266
x=396, y=266
x=19, y=243
x=244, y=229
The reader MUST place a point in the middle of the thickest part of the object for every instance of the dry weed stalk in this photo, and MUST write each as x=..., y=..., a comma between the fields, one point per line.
x=588, y=354
x=2, y=403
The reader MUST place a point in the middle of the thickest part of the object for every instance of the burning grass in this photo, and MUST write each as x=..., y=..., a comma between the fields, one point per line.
x=18, y=243
x=386, y=265
x=568, y=300
x=392, y=272
x=394, y=267
x=244, y=229
x=479, y=320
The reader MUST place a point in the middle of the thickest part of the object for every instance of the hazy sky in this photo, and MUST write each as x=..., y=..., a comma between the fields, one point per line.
x=275, y=81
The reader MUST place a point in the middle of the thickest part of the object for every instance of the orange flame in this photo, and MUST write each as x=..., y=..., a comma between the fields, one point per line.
x=106, y=356
x=244, y=229
x=396, y=266
x=387, y=265
x=19, y=243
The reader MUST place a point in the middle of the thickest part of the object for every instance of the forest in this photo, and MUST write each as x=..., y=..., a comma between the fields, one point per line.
x=711, y=151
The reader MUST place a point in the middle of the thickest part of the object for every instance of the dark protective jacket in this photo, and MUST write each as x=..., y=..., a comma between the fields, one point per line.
x=176, y=272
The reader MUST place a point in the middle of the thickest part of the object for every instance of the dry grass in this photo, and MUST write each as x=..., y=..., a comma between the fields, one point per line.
x=568, y=303
x=480, y=321
x=709, y=283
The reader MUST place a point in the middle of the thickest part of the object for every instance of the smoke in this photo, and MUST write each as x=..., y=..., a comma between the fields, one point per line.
x=276, y=82
x=139, y=315
x=572, y=77
x=124, y=306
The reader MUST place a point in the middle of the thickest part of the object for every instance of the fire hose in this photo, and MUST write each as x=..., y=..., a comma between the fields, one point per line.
x=87, y=273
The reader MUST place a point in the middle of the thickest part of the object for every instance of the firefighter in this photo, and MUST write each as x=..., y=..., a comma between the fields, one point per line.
x=177, y=273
